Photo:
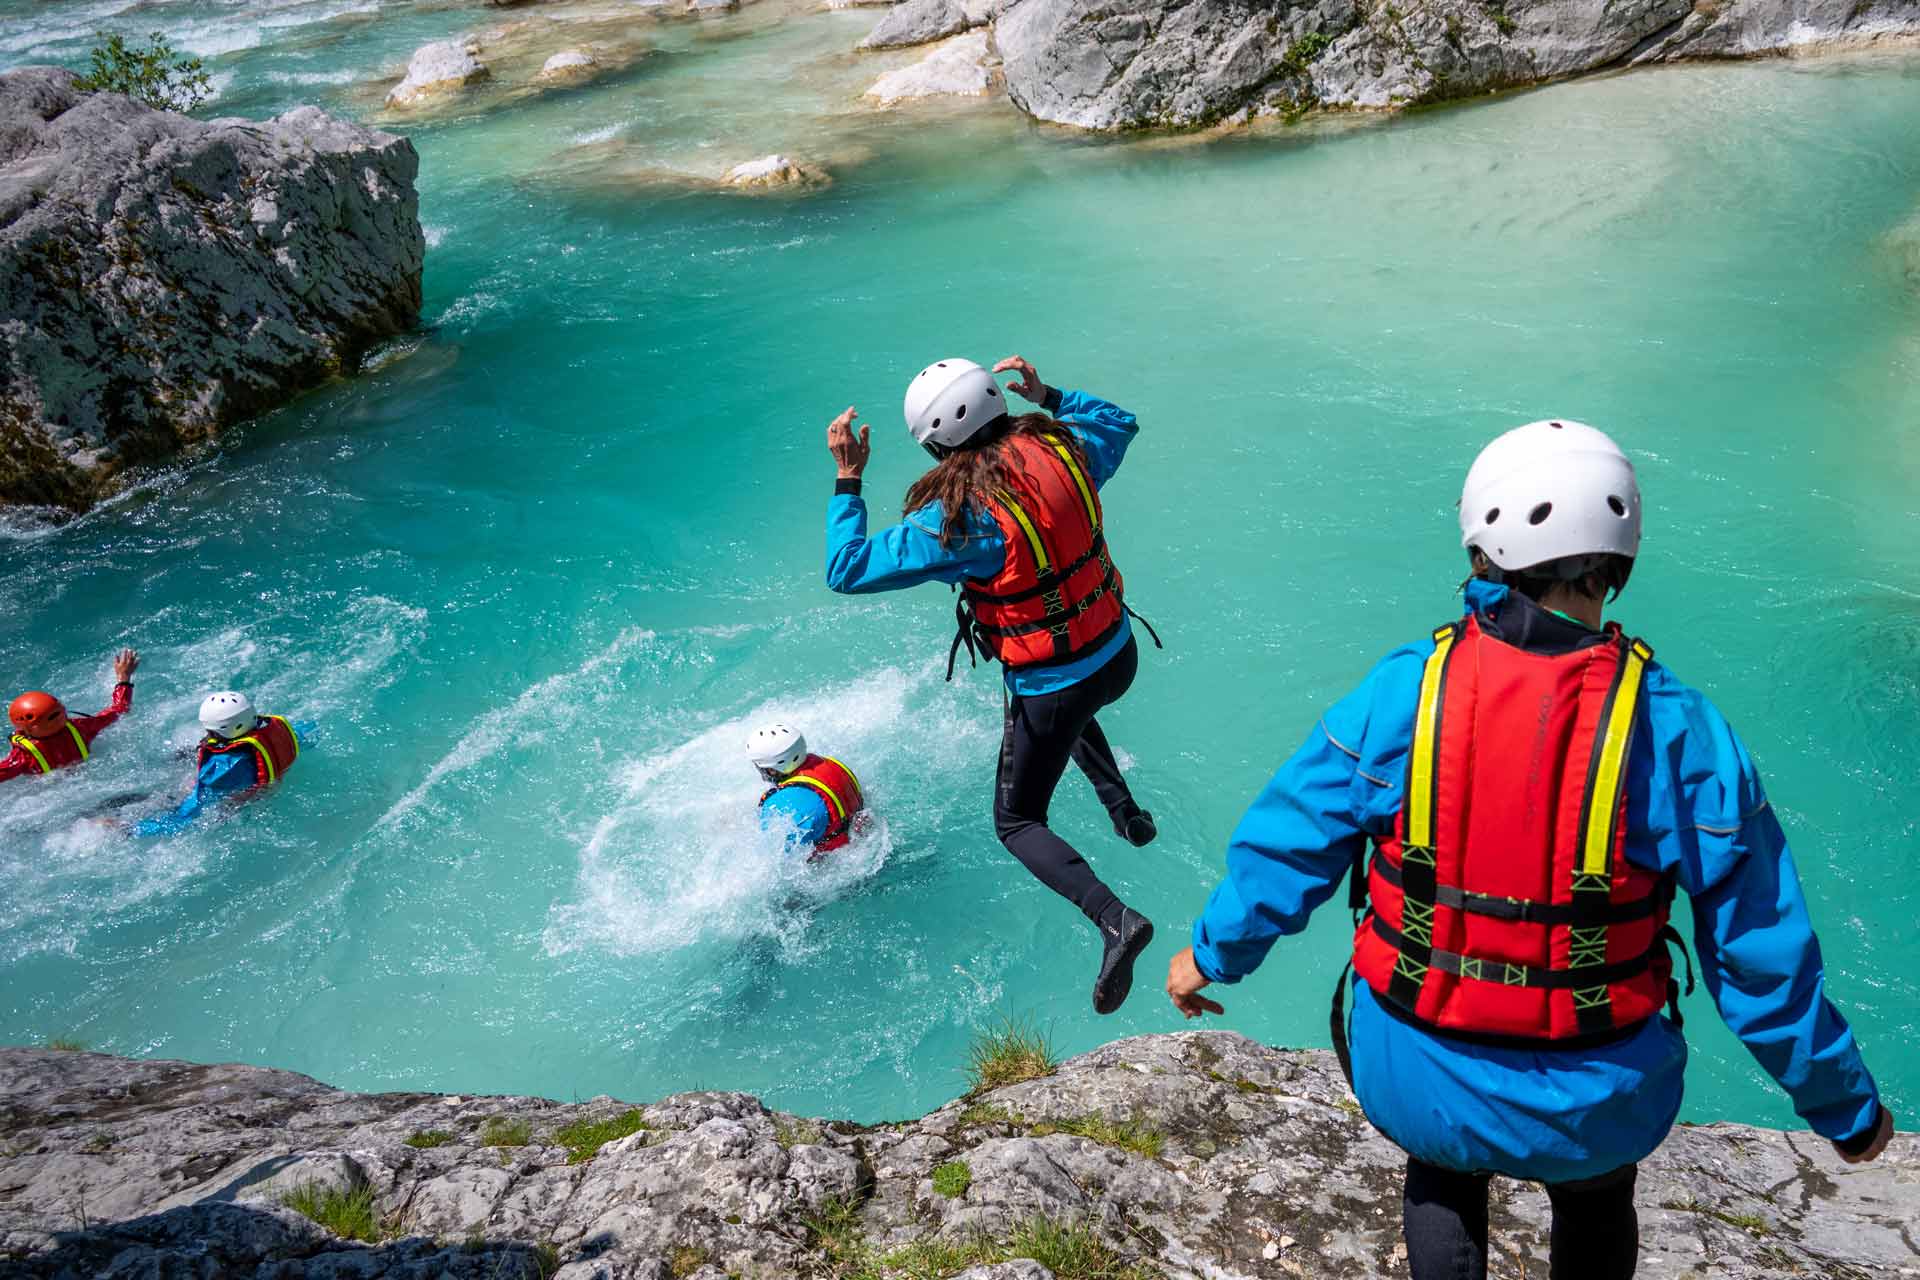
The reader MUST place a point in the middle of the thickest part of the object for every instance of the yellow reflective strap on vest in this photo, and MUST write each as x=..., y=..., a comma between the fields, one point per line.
x=850, y=773
x=1033, y=535
x=1426, y=743
x=25, y=743
x=1609, y=769
x=292, y=737
x=1080, y=482
x=836, y=807
x=78, y=741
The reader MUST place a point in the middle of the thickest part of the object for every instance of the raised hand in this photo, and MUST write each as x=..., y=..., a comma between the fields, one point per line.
x=1184, y=981
x=850, y=452
x=1028, y=385
x=125, y=663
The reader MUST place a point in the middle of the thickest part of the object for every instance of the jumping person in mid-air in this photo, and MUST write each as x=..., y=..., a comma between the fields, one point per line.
x=1535, y=788
x=1010, y=513
x=243, y=753
x=815, y=797
x=46, y=738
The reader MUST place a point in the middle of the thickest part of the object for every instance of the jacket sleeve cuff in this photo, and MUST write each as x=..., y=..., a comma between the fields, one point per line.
x=1205, y=960
x=844, y=485
x=1860, y=1141
x=1054, y=397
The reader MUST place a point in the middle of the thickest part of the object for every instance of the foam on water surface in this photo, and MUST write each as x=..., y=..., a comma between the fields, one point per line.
x=536, y=573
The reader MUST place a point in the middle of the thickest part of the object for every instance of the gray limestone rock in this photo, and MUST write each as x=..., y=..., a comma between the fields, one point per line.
x=1195, y=1154
x=162, y=277
x=917, y=22
x=1186, y=63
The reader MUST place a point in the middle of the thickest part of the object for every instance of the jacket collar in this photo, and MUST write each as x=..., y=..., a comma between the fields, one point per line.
x=1511, y=618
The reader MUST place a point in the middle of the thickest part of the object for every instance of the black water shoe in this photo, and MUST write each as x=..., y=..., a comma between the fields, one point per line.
x=1136, y=828
x=1126, y=935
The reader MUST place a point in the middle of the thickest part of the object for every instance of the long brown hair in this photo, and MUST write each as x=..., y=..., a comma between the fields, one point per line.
x=976, y=472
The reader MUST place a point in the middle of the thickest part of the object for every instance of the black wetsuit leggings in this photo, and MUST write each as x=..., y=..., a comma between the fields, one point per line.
x=1040, y=735
x=1596, y=1234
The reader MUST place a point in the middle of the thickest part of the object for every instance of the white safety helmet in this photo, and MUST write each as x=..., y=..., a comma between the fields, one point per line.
x=227, y=715
x=1553, y=490
x=950, y=402
x=776, y=749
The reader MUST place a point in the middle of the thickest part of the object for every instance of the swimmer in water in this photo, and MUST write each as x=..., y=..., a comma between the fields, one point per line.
x=45, y=738
x=817, y=797
x=242, y=754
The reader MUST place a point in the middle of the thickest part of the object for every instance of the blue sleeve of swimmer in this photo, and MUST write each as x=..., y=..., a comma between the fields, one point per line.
x=1105, y=430
x=905, y=555
x=1759, y=957
x=223, y=775
x=800, y=808
x=1301, y=835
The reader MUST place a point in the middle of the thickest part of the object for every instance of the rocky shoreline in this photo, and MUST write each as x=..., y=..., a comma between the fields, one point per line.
x=1183, y=1155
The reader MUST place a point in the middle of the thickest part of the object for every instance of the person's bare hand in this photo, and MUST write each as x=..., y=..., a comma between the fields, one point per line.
x=1028, y=385
x=125, y=663
x=1184, y=981
x=849, y=451
x=1881, y=1137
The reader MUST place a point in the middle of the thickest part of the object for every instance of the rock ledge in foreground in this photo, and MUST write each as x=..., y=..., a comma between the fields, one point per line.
x=1193, y=1154
x=162, y=277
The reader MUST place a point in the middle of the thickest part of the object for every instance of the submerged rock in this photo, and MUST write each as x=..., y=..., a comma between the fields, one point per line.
x=1194, y=1154
x=1134, y=64
x=569, y=64
x=436, y=69
x=962, y=66
x=161, y=277
x=774, y=171
x=917, y=22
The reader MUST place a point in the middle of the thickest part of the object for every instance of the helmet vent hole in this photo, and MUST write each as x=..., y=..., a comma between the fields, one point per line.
x=1557, y=426
x=1616, y=506
x=960, y=413
x=993, y=391
x=936, y=424
x=1493, y=515
x=1540, y=513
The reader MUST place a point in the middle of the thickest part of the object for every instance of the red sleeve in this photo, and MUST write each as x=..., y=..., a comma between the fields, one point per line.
x=14, y=765
x=90, y=726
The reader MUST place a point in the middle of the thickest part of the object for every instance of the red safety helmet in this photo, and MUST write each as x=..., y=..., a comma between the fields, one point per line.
x=37, y=714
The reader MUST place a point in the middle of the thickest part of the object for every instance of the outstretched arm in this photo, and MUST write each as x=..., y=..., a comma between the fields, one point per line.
x=1105, y=430
x=220, y=777
x=905, y=555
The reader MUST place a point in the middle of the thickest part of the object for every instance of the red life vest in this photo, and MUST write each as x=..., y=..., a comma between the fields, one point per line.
x=1503, y=905
x=836, y=785
x=64, y=746
x=272, y=737
x=1057, y=597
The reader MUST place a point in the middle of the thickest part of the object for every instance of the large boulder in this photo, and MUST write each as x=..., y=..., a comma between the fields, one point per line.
x=438, y=69
x=1186, y=1155
x=161, y=277
x=1130, y=64
x=917, y=22
x=960, y=67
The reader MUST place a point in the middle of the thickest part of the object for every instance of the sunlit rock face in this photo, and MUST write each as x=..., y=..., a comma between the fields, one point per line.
x=438, y=69
x=960, y=67
x=1185, y=63
x=161, y=277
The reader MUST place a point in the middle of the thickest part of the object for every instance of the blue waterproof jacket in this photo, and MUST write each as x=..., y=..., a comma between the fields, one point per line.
x=222, y=777
x=910, y=553
x=1695, y=809
x=800, y=810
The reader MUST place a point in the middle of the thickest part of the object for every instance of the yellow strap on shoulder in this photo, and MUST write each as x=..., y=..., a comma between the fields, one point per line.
x=1033, y=535
x=1080, y=482
x=25, y=743
x=850, y=773
x=836, y=807
x=1609, y=773
x=291, y=735
x=78, y=741
x=266, y=757
x=1426, y=742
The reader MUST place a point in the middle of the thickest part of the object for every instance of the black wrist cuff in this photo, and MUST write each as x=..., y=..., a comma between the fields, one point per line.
x=848, y=485
x=1860, y=1141
x=1052, y=402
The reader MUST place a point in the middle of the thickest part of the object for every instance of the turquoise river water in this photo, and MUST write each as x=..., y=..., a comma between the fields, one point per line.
x=538, y=572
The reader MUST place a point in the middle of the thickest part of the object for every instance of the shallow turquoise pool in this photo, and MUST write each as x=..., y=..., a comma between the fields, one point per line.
x=538, y=573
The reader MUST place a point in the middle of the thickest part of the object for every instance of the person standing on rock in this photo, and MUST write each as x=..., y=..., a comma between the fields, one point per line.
x=45, y=738
x=1535, y=787
x=1010, y=514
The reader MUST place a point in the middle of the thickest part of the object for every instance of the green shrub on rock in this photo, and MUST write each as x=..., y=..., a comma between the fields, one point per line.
x=155, y=74
x=584, y=1138
x=1014, y=1051
x=348, y=1214
x=952, y=1179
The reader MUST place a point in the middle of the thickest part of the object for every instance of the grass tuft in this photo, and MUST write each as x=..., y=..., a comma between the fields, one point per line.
x=1132, y=1135
x=1014, y=1051
x=837, y=1233
x=1072, y=1252
x=427, y=1139
x=499, y=1131
x=686, y=1260
x=986, y=1113
x=952, y=1179
x=66, y=1044
x=798, y=1134
x=348, y=1214
x=584, y=1138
